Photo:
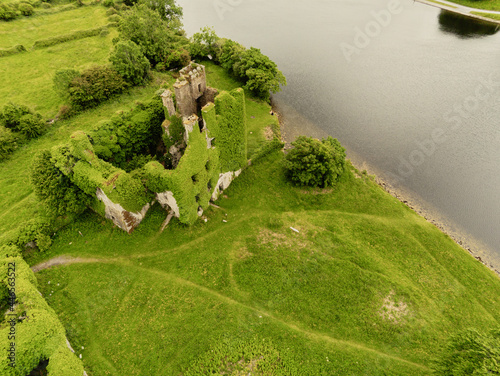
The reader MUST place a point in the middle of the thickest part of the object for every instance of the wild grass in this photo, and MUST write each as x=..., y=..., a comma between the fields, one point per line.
x=482, y=4
x=156, y=302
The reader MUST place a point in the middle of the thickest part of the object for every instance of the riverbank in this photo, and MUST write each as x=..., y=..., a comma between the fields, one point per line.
x=292, y=125
x=477, y=13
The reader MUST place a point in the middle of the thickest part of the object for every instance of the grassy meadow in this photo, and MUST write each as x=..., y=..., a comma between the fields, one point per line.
x=27, y=77
x=365, y=287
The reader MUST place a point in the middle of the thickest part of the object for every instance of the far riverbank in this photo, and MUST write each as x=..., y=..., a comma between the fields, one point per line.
x=477, y=13
x=292, y=125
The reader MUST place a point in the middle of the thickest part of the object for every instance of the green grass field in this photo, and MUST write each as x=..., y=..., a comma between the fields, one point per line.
x=366, y=287
x=27, y=77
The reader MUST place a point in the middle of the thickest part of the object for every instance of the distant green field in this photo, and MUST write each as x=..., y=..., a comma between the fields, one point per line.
x=27, y=77
x=26, y=30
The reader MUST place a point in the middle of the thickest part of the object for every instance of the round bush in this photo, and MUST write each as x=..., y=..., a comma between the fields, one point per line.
x=7, y=12
x=31, y=125
x=26, y=9
x=315, y=163
x=95, y=85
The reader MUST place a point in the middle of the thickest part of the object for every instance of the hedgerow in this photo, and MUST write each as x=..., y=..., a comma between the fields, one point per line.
x=12, y=50
x=39, y=335
x=80, y=34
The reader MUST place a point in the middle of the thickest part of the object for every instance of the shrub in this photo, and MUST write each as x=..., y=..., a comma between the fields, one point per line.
x=7, y=12
x=130, y=62
x=95, y=85
x=315, y=163
x=177, y=58
x=108, y=3
x=12, y=113
x=26, y=9
x=204, y=43
x=7, y=142
x=65, y=112
x=62, y=80
x=32, y=125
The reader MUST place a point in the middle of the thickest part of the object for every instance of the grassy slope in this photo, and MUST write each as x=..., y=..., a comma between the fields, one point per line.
x=157, y=301
x=27, y=77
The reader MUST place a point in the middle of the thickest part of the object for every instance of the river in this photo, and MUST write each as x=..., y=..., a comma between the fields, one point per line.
x=412, y=92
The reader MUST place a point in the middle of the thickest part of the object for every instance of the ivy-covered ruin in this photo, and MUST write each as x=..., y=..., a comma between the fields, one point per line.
x=180, y=149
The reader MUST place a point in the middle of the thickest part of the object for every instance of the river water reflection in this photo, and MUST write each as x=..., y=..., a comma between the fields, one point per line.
x=412, y=91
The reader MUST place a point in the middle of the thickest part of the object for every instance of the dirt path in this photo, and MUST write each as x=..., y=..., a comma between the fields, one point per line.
x=64, y=260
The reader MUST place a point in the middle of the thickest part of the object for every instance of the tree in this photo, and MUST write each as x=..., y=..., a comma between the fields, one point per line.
x=54, y=189
x=259, y=72
x=470, y=353
x=149, y=31
x=130, y=62
x=315, y=163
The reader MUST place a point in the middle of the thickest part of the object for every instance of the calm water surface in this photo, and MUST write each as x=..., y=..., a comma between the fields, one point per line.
x=411, y=90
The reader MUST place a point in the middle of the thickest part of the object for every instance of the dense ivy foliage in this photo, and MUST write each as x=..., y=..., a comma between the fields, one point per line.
x=470, y=353
x=53, y=188
x=315, y=163
x=121, y=138
x=39, y=335
x=230, y=132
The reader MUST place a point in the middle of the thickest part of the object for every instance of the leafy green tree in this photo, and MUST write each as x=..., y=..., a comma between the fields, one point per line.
x=259, y=72
x=54, y=189
x=129, y=61
x=315, y=163
x=167, y=9
x=205, y=43
x=470, y=353
x=230, y=54
x=146, y=28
